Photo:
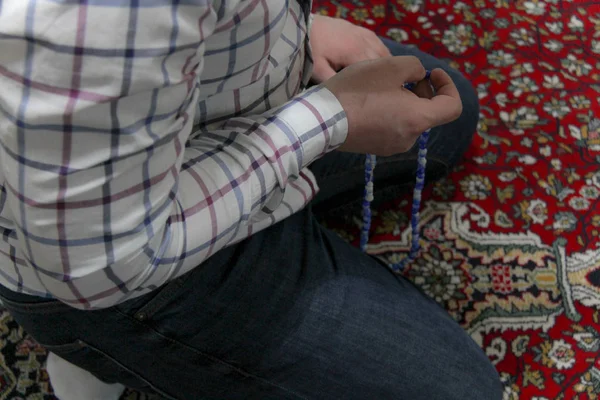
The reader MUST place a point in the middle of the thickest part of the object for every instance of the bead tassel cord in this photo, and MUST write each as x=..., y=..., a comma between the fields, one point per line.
x=370, y=163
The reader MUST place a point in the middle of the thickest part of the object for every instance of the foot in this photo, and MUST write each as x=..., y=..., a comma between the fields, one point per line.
x=73, y=383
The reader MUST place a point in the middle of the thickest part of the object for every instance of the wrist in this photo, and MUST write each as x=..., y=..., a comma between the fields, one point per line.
x=325, y=122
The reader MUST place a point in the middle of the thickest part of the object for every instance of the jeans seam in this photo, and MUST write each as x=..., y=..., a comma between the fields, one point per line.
x=210, y=357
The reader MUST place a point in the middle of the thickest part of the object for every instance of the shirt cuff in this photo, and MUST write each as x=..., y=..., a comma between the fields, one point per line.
x=325, y=119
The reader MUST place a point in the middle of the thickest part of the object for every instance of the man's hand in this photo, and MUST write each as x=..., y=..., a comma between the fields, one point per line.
x=384, y=118
x=337, y=44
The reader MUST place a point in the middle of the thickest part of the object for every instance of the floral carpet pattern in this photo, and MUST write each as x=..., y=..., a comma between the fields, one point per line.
x=511, y=239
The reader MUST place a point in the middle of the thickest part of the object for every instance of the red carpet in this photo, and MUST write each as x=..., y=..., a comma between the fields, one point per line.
x=510, y=239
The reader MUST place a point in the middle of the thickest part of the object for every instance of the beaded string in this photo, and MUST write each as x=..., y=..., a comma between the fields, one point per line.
x=370, y=162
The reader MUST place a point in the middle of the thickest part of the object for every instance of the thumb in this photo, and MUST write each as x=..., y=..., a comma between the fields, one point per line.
x=322, y=70
x=408, y=69
x=445, y=106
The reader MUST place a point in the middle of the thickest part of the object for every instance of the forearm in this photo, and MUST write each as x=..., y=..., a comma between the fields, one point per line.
x=238, y=175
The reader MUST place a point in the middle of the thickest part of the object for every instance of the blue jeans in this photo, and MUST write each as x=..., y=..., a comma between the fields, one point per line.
x=293, y=312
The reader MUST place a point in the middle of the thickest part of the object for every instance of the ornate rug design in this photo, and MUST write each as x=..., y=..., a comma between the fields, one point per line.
x=510, y=239
x=511, y=242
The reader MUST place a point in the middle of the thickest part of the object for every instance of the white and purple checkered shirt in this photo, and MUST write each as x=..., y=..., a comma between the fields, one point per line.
x=139, y=137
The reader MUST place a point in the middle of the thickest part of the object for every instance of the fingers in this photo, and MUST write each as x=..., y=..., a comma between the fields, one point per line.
x=408, y=68
x=370, y=54
x=446, y=105
x=322, y=70
x=376, y=44
x=363, y=54
x=369, y=48
x=381, y=48
x=423, y=89
x=443, y=84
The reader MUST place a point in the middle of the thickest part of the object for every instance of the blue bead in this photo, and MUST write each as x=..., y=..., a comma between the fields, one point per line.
x=416, y=204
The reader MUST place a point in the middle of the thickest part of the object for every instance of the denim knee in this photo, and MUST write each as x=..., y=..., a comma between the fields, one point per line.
x=464, y=128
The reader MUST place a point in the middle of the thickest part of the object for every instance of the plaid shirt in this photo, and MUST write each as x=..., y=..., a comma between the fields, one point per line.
x=139, y=137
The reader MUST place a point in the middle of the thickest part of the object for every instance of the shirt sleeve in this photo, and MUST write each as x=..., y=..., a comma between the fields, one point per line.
x=110, y=191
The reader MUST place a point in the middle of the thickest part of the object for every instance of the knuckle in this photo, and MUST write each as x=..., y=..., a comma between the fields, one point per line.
x=389, y=65
x=459, y=107
x=457, y=110
x=392, y=61
x=370, y=34
x=414, y=60
x=413, y=63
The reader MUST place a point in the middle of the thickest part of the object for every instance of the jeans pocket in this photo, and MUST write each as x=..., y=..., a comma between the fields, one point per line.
x=102, y=366
x=144, y=307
